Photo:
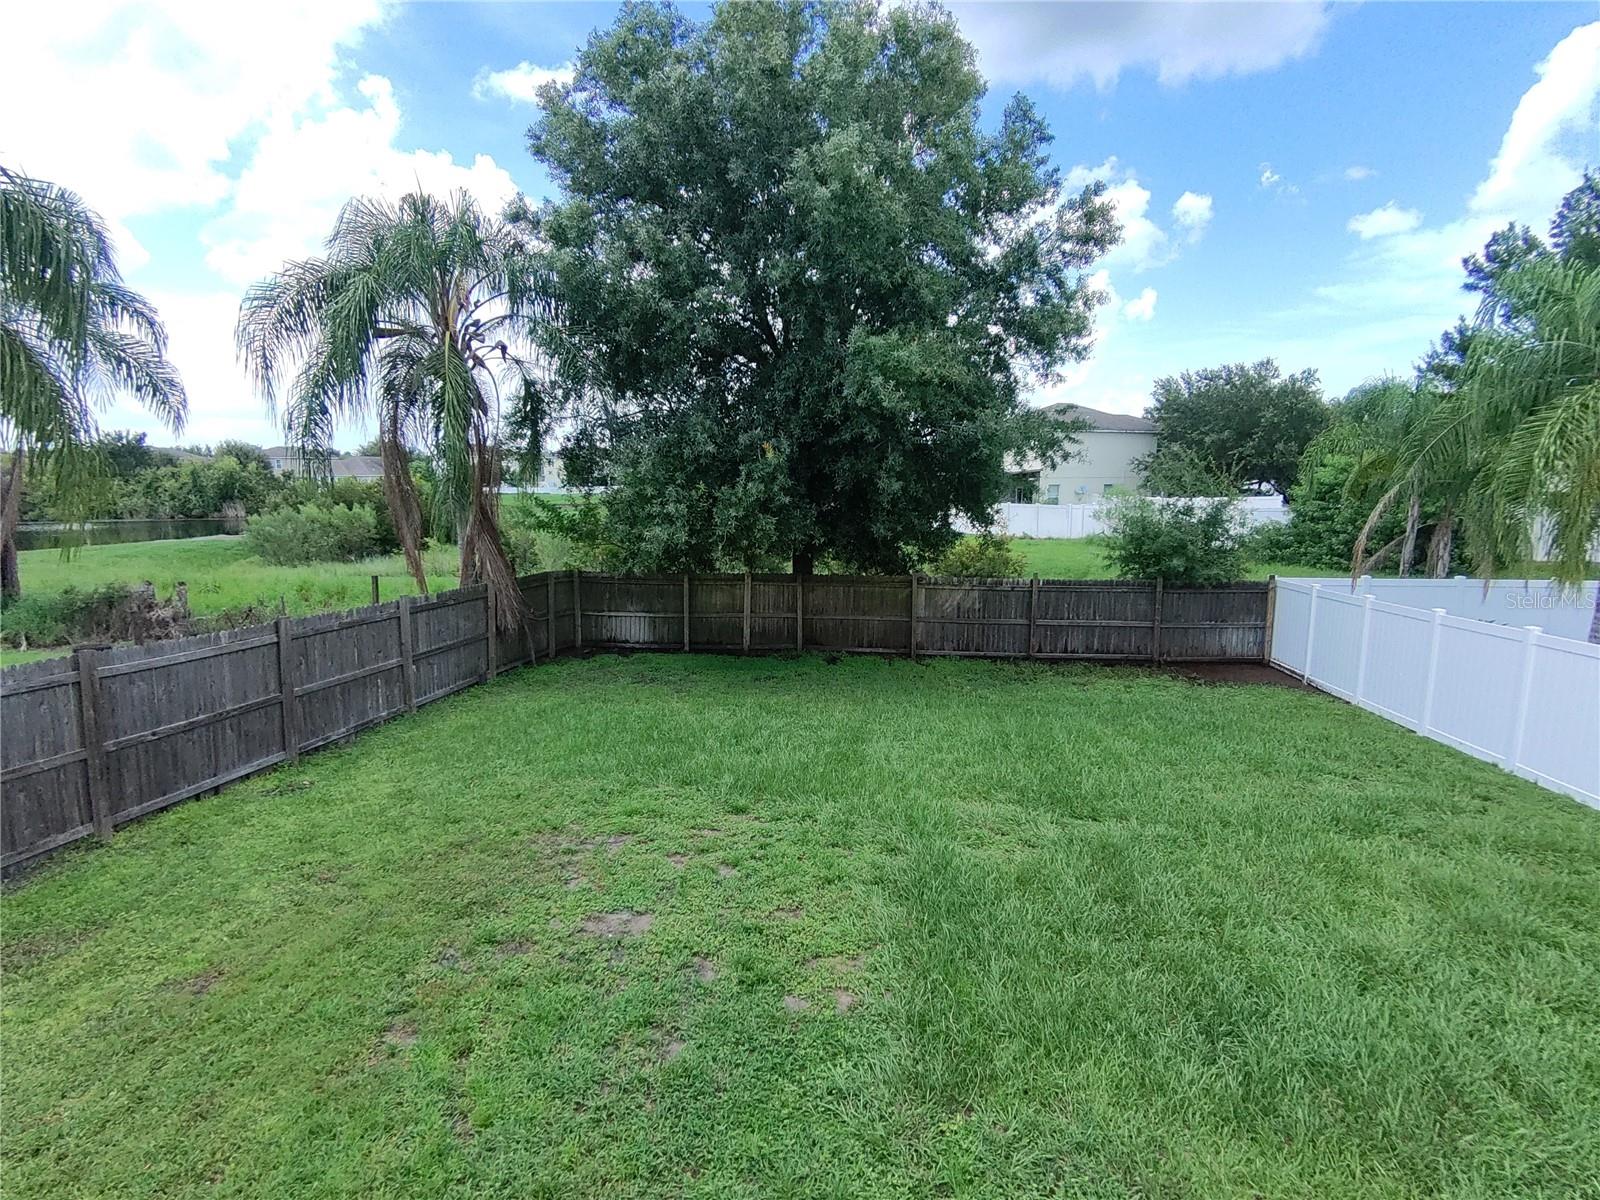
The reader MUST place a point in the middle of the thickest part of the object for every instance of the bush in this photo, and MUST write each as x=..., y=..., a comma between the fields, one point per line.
x=70, y=615
x=313, y=533
x=982, y=556
x=1192, y=542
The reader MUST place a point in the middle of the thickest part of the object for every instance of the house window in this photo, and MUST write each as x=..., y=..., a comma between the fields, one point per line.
x=1106, y=489
x=1052, y=493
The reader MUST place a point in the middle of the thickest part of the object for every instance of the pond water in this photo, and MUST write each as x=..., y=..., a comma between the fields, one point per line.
x=47, y=536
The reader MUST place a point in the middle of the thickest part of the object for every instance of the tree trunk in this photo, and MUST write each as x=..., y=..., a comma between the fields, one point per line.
x=10, y=509
x=1408, y=548
x=1439, y=545
x=400, y=490
x=804, y=561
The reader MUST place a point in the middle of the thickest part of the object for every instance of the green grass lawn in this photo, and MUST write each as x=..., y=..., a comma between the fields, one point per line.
x=223, y=576
x=1085, y=558
x=678, y=925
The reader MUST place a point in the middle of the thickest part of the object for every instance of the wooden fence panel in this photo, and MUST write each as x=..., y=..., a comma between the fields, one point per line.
x=869, y=613
x=716, y=612
x=1100, y=619
x=450, y=642
x=1214, y=624
x=182, y=717
x=772, y=610
x=643, y=612
x=975, y=617
x=348, y=672
x=43, y=761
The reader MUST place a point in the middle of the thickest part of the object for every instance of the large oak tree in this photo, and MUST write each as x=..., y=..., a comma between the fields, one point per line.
x=802, y=285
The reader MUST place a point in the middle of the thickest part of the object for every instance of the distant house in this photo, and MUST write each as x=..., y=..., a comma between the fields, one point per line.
x=1102, y=462
x=364, y=468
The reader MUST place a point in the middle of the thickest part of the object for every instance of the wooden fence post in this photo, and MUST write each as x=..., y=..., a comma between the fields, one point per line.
x=1155, y=624
x=375, y=590
x=408, y=666
x=799, y=612
x=1272, y=612
x=291, y=705
x=94, y=747
x=577, y=609
x=685, y=614
x=491, y=640
x=747, y=612
x=913, y=614
x=1033, y=617
x=550, y=614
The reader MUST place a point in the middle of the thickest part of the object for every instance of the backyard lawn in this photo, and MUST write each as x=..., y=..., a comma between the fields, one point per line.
x=679, y=925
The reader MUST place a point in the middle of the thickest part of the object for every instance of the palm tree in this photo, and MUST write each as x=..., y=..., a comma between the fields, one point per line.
x=420, y=315
x=1530, y=408
x=72, y=337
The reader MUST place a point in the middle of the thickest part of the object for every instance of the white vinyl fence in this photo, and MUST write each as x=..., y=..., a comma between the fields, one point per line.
x=1087, y=520
x=1516, y=696
x=1564, y=612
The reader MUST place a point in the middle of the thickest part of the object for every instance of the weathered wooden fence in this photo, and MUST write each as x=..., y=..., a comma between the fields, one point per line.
x=93, y=741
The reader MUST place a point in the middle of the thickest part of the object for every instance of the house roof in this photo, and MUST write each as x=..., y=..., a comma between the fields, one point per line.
x=1102, y=422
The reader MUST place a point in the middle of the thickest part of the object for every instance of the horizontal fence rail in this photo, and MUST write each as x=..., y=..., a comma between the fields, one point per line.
x=1515, y=696
x=111, y=734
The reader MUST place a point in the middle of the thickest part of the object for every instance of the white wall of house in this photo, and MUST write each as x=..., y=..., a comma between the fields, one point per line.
x=1103, y=462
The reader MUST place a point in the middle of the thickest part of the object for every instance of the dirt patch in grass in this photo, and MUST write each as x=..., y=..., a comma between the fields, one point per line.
x=680, y=861
x=617, y=924
x=838, y=962
x=843, y=1001
x=401, y=1035
x=796, y=1004
x=1236, y=672
x=199, y=985
x=513, y=949
x=704, y=969
x=724, y=871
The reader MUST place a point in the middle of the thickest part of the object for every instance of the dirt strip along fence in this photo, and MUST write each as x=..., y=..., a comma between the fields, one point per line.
x=90, y=742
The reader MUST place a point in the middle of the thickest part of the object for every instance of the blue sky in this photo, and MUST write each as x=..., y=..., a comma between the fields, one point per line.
x=1297, y=180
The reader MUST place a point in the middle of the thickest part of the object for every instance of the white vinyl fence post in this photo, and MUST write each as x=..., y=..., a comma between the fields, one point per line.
x=1366, y=636
x=1311, y=633
x=1425, y=721
x=1530, y=648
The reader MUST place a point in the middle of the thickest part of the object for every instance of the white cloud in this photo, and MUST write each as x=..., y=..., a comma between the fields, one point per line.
x=1192, y=210
x=1552, y=130
x=1144, y=243
x=521, y=82
x=1385, y=221
x=147, y=103
x=1357, y=173
x=1274, y=182
x=304, y=169
x=241, y=123
x=1143, y=308
x=1060, y=44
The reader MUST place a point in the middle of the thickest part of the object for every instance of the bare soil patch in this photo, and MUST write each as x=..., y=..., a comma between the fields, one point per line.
x=617, y=924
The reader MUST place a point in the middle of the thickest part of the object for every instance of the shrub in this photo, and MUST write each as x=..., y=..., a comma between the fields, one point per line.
x=1194, y=542
x=313, y=533
x=985, y=556
x=70, y=615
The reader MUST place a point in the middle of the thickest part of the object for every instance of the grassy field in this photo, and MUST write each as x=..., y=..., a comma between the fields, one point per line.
x=662, y=926
x=1085, y=558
